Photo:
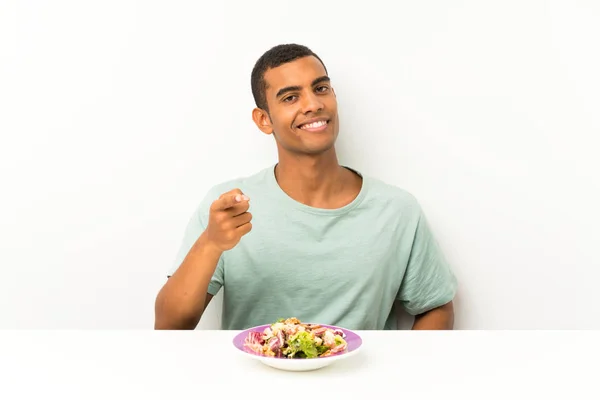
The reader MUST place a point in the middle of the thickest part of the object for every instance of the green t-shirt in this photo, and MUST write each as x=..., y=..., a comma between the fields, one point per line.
x=343, y=267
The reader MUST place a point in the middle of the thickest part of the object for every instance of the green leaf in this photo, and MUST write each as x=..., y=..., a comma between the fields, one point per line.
x=339, y=340
x=303, y=342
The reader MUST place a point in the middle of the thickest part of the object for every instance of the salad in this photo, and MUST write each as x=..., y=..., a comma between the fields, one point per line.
x=289, y=338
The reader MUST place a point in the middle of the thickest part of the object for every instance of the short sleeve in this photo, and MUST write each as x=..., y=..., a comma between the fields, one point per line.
x=193, y=230
x=428, y=280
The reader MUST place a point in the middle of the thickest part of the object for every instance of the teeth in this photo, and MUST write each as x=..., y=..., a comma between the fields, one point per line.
x=314, y=125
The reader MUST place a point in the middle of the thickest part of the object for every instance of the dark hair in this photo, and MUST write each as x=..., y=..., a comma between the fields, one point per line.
x=274, y=57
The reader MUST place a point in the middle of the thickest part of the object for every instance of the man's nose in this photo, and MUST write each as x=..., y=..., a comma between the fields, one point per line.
x=311, y=103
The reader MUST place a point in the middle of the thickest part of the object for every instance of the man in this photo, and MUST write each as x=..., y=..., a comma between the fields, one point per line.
x=307, y=237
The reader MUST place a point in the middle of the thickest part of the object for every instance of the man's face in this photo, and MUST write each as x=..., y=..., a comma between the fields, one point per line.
x=302, y=107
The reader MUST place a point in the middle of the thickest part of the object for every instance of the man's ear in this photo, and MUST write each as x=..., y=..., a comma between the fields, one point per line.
x=262, y=120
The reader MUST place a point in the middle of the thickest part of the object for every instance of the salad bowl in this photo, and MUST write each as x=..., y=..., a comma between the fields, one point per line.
x=294, y=346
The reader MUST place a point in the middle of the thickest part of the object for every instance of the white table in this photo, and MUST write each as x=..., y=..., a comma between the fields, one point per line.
x=203, y=364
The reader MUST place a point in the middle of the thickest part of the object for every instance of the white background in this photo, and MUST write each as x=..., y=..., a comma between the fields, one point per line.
x=117, y=116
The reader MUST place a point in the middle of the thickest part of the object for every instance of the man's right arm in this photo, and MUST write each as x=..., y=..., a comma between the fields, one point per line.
x=184, y=297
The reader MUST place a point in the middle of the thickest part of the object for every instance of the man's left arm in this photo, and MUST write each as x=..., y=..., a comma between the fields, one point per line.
x=429, y=285
x=440, y=318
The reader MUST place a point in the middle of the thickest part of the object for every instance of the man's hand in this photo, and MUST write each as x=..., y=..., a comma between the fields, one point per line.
x=229, y=220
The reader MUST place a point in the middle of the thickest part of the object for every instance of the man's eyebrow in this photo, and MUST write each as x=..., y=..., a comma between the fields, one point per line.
x=321, y=79
x=286, y=89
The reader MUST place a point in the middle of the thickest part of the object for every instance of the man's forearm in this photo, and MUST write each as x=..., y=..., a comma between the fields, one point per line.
x=181, y=301
x=441, y=318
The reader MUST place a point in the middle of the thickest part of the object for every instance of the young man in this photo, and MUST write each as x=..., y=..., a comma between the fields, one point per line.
x=307, y=237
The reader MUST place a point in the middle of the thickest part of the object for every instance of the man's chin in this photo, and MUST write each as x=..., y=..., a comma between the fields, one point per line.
x=309, y=146
x=320, y=149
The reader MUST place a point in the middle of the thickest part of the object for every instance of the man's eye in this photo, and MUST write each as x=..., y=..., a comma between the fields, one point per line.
x=289, y=99
x=322, y=89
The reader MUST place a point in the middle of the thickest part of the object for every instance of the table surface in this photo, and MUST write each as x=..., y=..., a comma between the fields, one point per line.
x=198, y=364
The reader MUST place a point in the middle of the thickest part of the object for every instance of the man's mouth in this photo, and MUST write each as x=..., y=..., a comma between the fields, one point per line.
x=314, y=126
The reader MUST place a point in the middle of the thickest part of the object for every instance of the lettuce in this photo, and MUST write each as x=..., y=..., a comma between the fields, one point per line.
x=302, y=342
x=339, y=340
x=322, y=349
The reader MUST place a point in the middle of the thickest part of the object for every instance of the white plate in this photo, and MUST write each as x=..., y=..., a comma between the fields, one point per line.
x=353, y=340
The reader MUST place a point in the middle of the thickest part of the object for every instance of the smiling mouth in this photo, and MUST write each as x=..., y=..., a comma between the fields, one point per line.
x=314, y=126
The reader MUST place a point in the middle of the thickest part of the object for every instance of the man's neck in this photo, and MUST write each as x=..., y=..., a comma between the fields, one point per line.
x=318, y=181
